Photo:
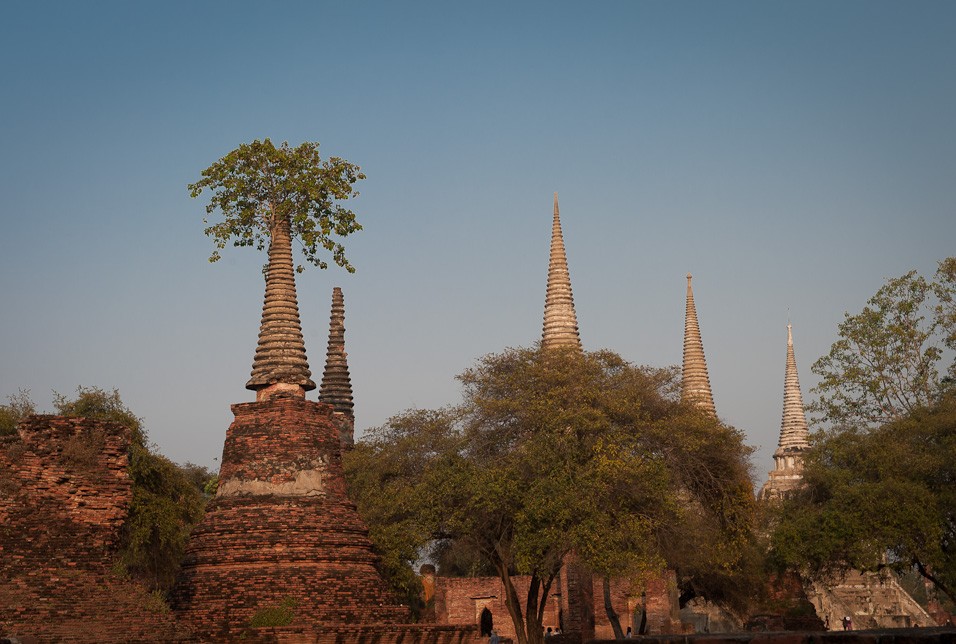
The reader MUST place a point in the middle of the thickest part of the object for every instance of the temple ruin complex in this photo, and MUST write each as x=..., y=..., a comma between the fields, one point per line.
x=281, y=530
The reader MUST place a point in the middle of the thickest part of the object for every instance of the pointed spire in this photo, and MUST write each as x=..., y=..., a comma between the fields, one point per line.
x=787, y=473
x=280, y=363
x=336, y=388
x=560, y=321
x=695, y=386
x=794, y=432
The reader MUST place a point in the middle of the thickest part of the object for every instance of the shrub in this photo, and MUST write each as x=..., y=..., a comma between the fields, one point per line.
x=278, y=615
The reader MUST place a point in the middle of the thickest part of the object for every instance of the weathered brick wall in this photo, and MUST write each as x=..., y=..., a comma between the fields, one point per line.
x=659, y=594
x=284, y=446
x=64, y=494
x=282, y=528
x=576, y=602
x=383, y=634
x=885, y=636
x=577, y=598
x=460, y=600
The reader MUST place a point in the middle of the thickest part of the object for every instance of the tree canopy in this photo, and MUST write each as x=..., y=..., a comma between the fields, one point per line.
x=257, y=186
x=884, y=364
x=553, y=452
x=876, y=499
x=879, y=482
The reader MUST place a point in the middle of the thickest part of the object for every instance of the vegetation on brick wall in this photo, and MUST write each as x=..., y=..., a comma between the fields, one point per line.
x=280, y=614
x=168, y=499
x=18, y=406
x=558, y=451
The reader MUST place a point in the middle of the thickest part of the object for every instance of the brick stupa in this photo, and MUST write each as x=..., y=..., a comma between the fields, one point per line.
x=336, y=389
x=281, y=529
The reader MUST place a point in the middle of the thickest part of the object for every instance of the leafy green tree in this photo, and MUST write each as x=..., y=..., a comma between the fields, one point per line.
x=945, y=311
x=557, y=452
x=167, y=499
x=884, y=366
x=877, y=499
x=266, y=192
x=19, y=405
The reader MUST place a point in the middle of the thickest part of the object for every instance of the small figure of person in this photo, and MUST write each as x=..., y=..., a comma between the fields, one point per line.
x=628, y=635
x=847, y=624
x=494, y=638
x=547, y=633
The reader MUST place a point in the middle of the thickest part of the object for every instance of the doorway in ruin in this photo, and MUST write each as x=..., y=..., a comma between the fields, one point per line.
x=485, y=622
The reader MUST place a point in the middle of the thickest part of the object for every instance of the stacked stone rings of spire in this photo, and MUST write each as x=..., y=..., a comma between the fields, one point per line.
x=794, y=432
x=280, y=353
x=336, y=388
x=695, y=380
x=560, y=320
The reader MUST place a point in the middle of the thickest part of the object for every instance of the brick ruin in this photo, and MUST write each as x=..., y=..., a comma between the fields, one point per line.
x=575, y=604
x=64, y=495
x=281, y=529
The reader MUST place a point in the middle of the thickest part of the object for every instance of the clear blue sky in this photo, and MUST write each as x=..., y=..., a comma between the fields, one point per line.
x=791, y=155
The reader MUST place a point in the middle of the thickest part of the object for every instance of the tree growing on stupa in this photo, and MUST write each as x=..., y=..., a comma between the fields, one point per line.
x=268, y=196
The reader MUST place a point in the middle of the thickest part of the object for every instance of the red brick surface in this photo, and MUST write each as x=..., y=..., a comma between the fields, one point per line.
x=576, y=602
x=395, y=634
x=460, y=601
x=882, y=636
x=64, y=494
x=254, y=551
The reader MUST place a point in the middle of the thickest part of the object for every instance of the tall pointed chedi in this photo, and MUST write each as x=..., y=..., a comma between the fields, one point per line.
x=560, y=321
x=280, y=362
x=794, y=434
x=336, y=388
x=695, y=384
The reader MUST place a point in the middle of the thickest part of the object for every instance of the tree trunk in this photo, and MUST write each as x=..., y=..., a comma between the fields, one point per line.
x=528, y=628
x=609, y=609
x=512, y=603
x=535, y=609
x=545, y=591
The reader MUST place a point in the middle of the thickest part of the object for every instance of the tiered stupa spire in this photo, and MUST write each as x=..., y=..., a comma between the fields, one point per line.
x=280, y=364
x=695, y=386
x=794, y=433
x=336, y=388
x=560, y=320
